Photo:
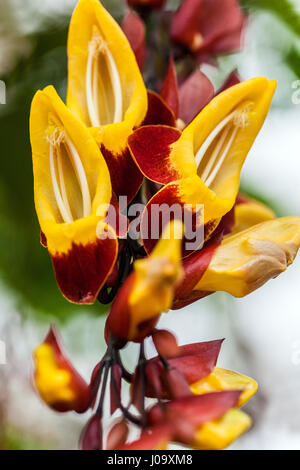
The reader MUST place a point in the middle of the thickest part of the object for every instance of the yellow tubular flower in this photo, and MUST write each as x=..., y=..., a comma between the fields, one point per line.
x=202, y=165
x=56, y=380
x=149, y=290
x=219, y=434
x=52, y=382
x=223, y=379
x=156, y=277
x=105, y=87
x=246, y=260
x=71, y=186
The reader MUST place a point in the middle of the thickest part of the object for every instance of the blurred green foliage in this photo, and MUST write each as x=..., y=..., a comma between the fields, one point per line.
x=284, y=9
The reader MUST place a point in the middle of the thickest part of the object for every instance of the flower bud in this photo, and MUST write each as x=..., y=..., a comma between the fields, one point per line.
x=117, y=436
x=165, y=343
x=91, y=437
x=56, y=380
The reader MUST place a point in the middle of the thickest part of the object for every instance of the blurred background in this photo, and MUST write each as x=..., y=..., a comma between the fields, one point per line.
x=262, y=331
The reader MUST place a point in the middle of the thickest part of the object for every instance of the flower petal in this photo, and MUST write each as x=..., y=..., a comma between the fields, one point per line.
x=169, y=91
x=151, y=147
x=149, y=290
x=81, y=260
x=248, y=259
x=223, y=379
x=181, y=200
x=134, y=29
x=198, y=409
x=219, y=434
x=91, y=18
x=56, y=380
x=105, y=89
x=194, y=94
x=249, y=212
x=155, y=438
x=195, y=361
x=159, y=112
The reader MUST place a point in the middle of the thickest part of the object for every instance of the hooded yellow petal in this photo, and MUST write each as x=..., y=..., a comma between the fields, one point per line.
x=214, y=146
x=71, y=178
x=156, y=277
x=219, y=434
x=105, y=87
x=250, y=212
x=248, y=259
x=223, y=379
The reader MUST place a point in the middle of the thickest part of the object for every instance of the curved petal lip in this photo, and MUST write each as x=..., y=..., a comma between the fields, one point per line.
x=82, y=271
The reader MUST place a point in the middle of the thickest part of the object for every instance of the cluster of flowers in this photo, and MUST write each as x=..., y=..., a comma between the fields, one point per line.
x=185, y=145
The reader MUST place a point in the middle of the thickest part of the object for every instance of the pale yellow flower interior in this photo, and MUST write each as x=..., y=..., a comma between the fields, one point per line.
x=103, y=84
x=213, y=153
x=69, y=181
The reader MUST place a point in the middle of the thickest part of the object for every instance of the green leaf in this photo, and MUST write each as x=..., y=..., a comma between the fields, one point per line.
x=283, y=9
x=292, y=59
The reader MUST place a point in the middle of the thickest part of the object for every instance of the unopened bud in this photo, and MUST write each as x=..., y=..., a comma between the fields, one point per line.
x=165, y=343
x=117, y=436
x=91, y=437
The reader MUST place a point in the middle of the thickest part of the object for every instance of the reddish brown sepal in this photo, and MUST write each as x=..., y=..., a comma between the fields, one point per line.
x=197, y=409
x=91, y=437
x=134, y=29
x=115, y=391
x=150, y=146
x=158, y=112
x=169, y=91
x=232, y=79
x=194, y=94
x=146, y=3
x=82, y=272
x=175, y=383
x=195, y=265
x=126, y=179
x=152, y=439
x=118, y=320
x=80, y=388
x=165, y=343
x=195, y=361
x=117, y=436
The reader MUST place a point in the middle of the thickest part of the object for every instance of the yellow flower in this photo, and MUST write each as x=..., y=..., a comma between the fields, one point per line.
x=71, y=188
x=149, y=290
x=202, y=165
x=105, y=89
x=246, y=260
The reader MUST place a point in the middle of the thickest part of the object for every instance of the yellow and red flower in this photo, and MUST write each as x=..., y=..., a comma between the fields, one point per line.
x=72, y=188
x=56, y=380
x=202, y=165
x=106, y=90
x=149, y=289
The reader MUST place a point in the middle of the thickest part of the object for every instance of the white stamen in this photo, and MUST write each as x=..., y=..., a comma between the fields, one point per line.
x=98, y=46
x=62, y=182
x=117, y=87
x=214, y=155
x=93, y=115
x=206, y=144
x=215, y=171
x=67, y=217
x=86, y=198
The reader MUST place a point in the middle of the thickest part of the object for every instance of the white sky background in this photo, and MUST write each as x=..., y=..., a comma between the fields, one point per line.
x=263, y=330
